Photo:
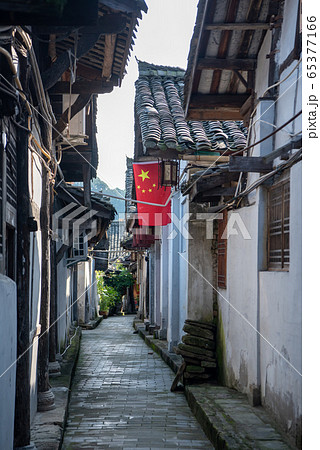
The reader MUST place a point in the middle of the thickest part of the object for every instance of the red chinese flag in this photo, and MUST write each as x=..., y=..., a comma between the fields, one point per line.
x=146, y=177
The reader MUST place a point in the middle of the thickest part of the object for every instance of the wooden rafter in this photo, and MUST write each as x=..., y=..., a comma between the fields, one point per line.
x=229, y=64
x=82, y=87
x=236, y=26
x=114, y=23
x=109, y=47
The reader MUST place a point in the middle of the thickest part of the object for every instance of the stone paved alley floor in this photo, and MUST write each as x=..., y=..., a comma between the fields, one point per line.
x=121, y=396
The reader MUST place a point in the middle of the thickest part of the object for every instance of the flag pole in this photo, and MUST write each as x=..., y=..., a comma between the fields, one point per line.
x=135, y=201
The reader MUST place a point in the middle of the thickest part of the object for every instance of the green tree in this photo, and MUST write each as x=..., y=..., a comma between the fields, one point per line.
x=120, y=280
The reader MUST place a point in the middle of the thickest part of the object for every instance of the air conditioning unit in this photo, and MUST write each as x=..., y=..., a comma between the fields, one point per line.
x=76, y=132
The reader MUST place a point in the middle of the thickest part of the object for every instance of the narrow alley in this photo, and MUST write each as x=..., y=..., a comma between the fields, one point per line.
x=121, y=396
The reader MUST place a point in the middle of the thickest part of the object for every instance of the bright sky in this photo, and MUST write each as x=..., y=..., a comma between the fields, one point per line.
x=163, y=37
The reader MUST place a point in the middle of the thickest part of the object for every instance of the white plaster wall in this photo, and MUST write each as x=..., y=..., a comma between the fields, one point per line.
x=288, y=29
x=263, y=64
x=63, y=303
x=157, y=283
x=8, y=354
x=93, y=298
x=200, y=273
x=288, y=104
x=83, y=278
x=238, y=303
x=35, y=183
x=177, y=271
x=183, y=273
x=281, y=298
x=164, y=291
x=271, y=300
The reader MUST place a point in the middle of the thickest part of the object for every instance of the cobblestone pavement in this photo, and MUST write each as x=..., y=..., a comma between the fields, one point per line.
x=121, y=396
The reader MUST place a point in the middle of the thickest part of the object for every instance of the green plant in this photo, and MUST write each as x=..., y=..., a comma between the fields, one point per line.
x=108, y=296
x=120, y=280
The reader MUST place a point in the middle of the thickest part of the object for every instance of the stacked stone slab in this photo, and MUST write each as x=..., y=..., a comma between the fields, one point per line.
x=198, y=351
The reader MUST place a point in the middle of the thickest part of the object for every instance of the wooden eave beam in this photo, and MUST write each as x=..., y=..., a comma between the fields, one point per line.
x=240, y=26
x=114, y=23
x=282, y=151
x=212, y=194
x=216, y=106
x=212, y=182
x=226, y=64
x=249, y=164
x=207, y=101
x=82, y=87
x=127, y=6
x=76, y=159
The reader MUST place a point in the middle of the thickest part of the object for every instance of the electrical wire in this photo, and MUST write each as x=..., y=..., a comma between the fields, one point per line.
x=293, y=160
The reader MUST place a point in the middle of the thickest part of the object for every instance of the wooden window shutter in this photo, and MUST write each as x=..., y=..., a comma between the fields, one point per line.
x=222, y=251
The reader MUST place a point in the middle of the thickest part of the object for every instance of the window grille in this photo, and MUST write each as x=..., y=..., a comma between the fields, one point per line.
x=279, y=227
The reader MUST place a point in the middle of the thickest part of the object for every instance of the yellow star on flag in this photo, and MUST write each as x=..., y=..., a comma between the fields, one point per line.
x=138, y=187
x=150, y=190
x=153, y=185
x=143, y=191
x=144, y=174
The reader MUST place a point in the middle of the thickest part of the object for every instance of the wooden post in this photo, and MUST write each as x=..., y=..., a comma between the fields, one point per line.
x=22, y=403
x=54, y=366
x=87, y=185
x=45, y=394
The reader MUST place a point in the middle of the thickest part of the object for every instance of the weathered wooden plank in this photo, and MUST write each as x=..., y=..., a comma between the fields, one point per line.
x=240, y=26
x=82, y=87
x=249, y=164
x=198, y=342
x=283, y=150
x=22, y=393
x=197, y=323
x=217, y=192
x=187, y=354
x=206, y=101
x=208, y=364
x=201, y=352
x=194, y=369
x=196, y=331
x=86, y=169
x=214, y=113
x=226, y=64
x=110, y=43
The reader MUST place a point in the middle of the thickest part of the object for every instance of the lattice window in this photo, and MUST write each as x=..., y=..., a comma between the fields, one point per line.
x=222, y=251
x=279, y=227
x=80, y=246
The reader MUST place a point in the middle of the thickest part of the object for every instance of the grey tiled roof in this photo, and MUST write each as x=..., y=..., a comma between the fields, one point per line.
x=158, y=106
